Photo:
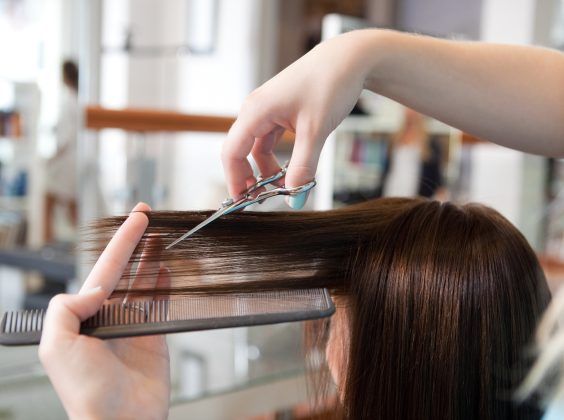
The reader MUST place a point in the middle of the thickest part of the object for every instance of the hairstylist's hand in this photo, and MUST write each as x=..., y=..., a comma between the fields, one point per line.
x=122, y=378
x=310, y=97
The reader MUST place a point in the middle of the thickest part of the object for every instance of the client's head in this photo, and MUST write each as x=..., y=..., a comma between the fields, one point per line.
x=436, y=302
x=440, y=306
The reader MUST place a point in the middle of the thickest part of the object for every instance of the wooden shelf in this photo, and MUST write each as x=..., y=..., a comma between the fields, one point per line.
x=152, y=120
x=468, y=139
x=97, y=118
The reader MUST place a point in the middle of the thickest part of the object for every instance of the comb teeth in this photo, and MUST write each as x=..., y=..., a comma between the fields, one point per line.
x=22, y=321
x=129, y=313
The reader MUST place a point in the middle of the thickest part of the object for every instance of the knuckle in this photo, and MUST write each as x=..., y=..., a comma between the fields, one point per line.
x=57, y=301
x=232, y=134
x=252, y=105
x=255, y=94
x=226, y=154
x=309, y=129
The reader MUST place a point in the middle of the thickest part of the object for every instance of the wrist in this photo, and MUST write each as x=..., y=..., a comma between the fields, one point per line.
x=378, y=50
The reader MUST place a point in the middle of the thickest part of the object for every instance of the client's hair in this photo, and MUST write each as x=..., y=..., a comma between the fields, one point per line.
x=441, y=300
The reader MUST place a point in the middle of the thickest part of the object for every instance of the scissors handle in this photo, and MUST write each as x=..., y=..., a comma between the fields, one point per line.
x=231, y=205
x=266, y=181
x=248, y=200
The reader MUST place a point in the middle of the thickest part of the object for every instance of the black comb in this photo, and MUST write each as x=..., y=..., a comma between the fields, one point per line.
x=139, y=316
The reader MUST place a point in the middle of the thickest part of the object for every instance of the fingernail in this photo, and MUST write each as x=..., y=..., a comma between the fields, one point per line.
x=138, y=207
x=298, y=201
x=92, y=291
x=135, y=208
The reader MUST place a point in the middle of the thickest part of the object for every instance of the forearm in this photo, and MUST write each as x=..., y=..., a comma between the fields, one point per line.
x=511, y=95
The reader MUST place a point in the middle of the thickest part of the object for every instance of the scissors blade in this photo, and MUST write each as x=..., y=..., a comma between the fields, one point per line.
x=210, y=219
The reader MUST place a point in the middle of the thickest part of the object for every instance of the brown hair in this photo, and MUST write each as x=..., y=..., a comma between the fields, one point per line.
x=442, y=300
x=70, y=74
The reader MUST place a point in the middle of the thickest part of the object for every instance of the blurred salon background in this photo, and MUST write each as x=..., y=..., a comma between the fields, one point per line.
x=104, y=103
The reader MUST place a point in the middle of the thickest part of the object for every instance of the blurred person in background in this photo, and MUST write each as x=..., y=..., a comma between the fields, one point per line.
x=61, y=168
x=415, y=161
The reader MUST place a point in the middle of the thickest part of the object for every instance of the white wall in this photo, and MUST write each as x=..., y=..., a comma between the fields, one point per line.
x=218, y=84
x=518, y=21
x=513, y=182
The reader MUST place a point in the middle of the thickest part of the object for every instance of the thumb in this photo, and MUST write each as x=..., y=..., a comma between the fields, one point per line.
x=303, y=164
x=66, y=312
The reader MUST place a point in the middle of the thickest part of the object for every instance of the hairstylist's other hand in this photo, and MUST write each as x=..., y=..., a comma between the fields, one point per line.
x=121, y=378
x=310, y=98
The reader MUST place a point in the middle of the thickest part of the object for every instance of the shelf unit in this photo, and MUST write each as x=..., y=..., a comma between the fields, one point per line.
x=371, y=125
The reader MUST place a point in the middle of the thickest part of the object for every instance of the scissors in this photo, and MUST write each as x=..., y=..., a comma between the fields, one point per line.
x=229, y=205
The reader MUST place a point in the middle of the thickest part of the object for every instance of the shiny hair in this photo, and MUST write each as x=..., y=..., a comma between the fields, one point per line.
x=441, y=300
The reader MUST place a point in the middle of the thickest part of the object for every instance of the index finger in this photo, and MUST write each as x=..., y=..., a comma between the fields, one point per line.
x=108, y=269
x=237, y=147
